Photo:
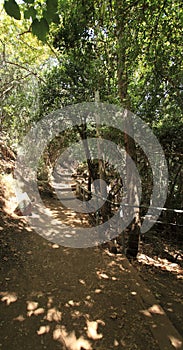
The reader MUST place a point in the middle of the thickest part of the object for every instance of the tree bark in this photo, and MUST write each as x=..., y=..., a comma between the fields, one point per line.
x=130, y=147
x=101, y=165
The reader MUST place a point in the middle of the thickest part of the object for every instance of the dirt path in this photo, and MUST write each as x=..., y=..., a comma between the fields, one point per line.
x=52, y=297
x=61, y=298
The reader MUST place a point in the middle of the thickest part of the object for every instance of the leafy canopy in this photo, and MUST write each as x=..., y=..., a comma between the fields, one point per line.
x=40, y=14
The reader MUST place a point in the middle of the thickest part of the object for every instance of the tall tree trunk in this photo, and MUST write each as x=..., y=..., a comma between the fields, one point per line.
x=101, y=165
x=130, y=147
x=82, y=130
x=134, y=233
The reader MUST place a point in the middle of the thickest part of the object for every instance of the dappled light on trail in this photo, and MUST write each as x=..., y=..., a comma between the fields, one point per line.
x=54, y=297
x=69, y=217
x=176, y=343
x=43, y=330
x=69, y=340
x=92, y=327
x=53, y=315
x=154, y=309
x=19, y=318
x=162, y=264
x=8, y=297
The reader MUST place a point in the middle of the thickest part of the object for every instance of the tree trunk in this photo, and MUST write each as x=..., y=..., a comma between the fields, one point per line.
x=134, y=233
x=101, y=165
x=83, y=134
x=130, y=147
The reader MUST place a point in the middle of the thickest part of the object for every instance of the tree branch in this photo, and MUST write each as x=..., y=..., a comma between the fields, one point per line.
x=25, y=68
x=54, y=52
x=13, y=84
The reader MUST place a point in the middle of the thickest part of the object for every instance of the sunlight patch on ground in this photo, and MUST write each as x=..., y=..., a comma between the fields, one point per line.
x=53, y=315
x=175, y=342
x=146, y=313
x=75, y=314
x=89, y=302
x=164, y=264
x=32, y=305
x=92, y=327
x=82, y=281
x=55, y=246
x=69, y=340
x=102, y=275
x=8, y=182
x=98, y=291
x=156, y=309
x=32, y=309
x=19, y=318
x=8, y=297
x=36, y=312
x=73, y=303
x=43, y=330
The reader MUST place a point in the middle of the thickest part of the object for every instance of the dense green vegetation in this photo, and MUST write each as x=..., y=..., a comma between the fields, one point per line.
x=128, y=52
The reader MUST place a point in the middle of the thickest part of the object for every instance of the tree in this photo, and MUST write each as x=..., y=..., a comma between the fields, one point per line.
x=20, y=61
x=133, y=47
x=125, y=40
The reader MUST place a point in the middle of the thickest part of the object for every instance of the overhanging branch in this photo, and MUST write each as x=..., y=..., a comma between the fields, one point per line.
x=25, y=68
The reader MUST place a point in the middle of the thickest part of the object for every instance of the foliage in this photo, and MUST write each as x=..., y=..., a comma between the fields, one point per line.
x=20, y=61
x=130, y=52
x=39, y=13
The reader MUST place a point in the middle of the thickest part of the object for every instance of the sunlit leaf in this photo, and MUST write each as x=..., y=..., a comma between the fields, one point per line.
x=12, y=9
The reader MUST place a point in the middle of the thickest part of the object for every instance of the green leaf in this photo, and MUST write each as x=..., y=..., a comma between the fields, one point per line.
x=54, y=18
x=30, y=13
x=40, y=28
x=46, y=16
x=12, y=9
x=28, y=1
x=52, y=6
